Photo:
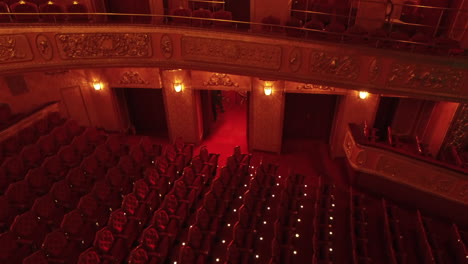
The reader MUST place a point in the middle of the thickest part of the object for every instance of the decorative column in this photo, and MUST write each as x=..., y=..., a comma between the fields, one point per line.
x=351, y=109
x=182, y=105
x=266, y=115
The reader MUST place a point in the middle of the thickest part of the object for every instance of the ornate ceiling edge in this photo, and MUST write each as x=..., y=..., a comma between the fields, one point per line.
x=422, y=176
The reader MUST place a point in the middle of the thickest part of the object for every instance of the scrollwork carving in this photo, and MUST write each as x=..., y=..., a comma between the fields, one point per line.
x=9, y=50
x=308, y=86
x=231, y=52
x=374, y=69
x=166, y=46
x=131, y=77
x=104, y=45
x=426, y=77
x=220, y=79
x=338, y=66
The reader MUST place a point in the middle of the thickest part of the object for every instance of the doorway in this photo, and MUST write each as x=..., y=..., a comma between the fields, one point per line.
x=308, y=118
x=224, y=120
x=146, y=111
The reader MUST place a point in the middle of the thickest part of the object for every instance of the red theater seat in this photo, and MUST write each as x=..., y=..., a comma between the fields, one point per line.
x=93, y=168
x=39, y=180
x=105, y=197
x=138, y=256
x=29, y=230
x=95, y=136
x=105, y=157
x=28, y=135
x=117, y=145
x=38, y=257
x=90, y=256
x=58, y=249
x=25, y=7
x=15, y=168
x=69, y=156
x=55, y=168
x=32, y=156
x=19, y=195
x=199, y=15
x=179, y=13
x=118, y=181
x=48, y=145
x=80, y=182
x=51, y=7
x=77, y=229
x=82, y=145
x=62, y=192
x=222, y=15
x=61, y=135
x=42, y=126
x=54, y=119
x=47, y=209
x=11, y=145
x=77, y=7
x=4, y=18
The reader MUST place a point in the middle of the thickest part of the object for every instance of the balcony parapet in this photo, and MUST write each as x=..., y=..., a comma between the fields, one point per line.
x=421, y=173
x=52, y=47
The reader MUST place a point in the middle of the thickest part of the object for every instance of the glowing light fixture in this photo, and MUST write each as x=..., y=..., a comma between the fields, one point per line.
x=97, y=86
x=363, y=94
x=268, y=88
x=178, y=87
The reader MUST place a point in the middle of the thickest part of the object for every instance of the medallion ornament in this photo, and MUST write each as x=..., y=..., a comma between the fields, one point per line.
x=44, y=47
x=375, y=68
x=295, y=59
x=104, y=45
x=166, y=46
x=131, y=77
x=220, y=79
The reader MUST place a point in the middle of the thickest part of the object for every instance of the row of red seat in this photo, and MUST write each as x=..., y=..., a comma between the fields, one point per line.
x=167, y=217
x=201, y=17
x=31, y=7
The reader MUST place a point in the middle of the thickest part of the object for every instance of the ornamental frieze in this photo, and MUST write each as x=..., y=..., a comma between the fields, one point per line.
x=334, y=65
x=14, y=48
x=104, y=45
x=130, y=77
x=231, y=52
x=309, y=86
x=220, y=79
x=426, y=77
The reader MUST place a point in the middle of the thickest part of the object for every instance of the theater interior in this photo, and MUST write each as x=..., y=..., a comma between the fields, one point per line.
x=233, y=131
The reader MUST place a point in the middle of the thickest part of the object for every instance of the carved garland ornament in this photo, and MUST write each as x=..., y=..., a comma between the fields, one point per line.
x=166, y=46
x=131, y=77
x=44, y=47
x=231, y=52
x=104, y=45
x=308, y=86
x=338, y=66
x=8, y=49
x=220, y=79
x=426, y=77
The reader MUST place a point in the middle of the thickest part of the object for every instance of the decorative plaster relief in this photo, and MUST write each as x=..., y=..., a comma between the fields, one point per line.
x=295, y=59
x=375, y=68
x=231, y=52
x=130, y=77
x=405, y=170
x=426, y=77
x=166, y=46
x=14, y=48
x=333, y=65
x=44, y=47
x=104, y=45
x=308, y=86
x=220, y=79
x=457, y=133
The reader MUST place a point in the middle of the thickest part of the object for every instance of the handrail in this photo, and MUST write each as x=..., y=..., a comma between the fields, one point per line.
x=165, y=20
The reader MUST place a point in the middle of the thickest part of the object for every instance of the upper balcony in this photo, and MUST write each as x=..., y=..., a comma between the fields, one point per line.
x=404, y=55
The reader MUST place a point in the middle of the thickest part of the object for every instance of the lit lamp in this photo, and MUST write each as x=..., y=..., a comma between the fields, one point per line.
x=363, y=94
x=268, y=88
x=177, y=87
x=97, y=86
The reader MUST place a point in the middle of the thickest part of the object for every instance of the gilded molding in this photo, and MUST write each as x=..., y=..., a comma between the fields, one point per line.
x=166, y=46
x=14, y=48
x=130, y=77
x=333, y=65
x=308, y=86
x=425, y=77
x=220, y=79
x=231, y=52
x=104, y=45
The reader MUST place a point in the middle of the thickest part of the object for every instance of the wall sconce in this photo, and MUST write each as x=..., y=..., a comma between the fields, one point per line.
x=268, y=88
x=97, y=86
x=363, y=94
x=178, y=87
